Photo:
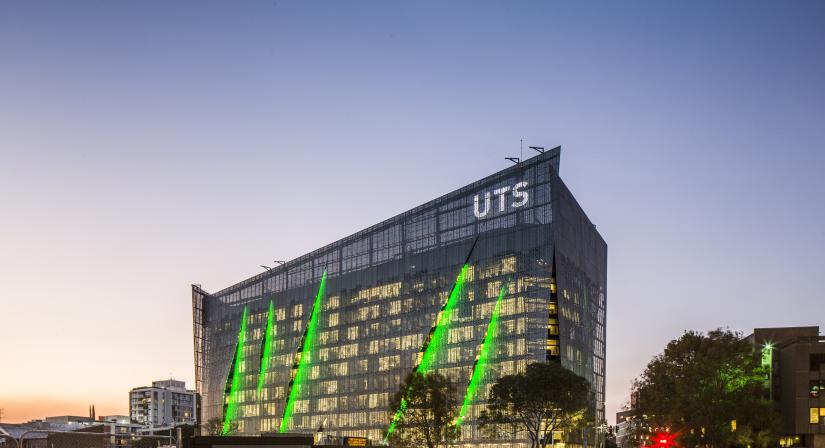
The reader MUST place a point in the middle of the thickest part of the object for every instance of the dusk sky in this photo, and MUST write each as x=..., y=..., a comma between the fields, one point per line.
x=145, y=146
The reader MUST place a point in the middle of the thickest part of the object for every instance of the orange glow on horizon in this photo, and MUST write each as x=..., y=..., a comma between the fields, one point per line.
x=22, y=410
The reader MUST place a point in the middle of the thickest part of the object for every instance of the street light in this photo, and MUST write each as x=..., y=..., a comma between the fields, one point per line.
x=767, y=361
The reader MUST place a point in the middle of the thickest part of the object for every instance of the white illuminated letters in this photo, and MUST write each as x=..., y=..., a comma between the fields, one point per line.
x=522, y=196
x=500, y=192
x=480, y=213
x=519, y=194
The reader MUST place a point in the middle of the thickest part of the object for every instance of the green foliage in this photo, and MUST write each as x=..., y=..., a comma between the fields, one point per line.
x=610, y=438
x=545, y=398
x=430, y=411
x=215, y=427
x=703, y=382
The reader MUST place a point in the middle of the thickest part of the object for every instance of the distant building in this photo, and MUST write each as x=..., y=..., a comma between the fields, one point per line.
x=796, y=360
x=71, y=421
x=71, y=431
x=67, y=431
x=628, y=422
x=34, y=435
x=166, y=403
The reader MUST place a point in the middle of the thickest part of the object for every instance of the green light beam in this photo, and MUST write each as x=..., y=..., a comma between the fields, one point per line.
x=398, y=414
x=231, y=404
x=437, y=333
x=266, y=347
x=480, y=364
x=299, y=367
x=433, y=343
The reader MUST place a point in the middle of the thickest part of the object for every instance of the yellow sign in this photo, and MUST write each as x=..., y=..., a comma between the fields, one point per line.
x=355, y=441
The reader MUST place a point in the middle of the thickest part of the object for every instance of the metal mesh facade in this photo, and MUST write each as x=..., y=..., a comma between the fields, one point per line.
x=384, y=288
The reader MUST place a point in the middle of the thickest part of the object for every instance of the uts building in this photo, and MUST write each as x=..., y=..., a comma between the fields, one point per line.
x=325, y=340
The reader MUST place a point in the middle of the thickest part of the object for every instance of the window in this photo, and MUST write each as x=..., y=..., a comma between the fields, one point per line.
x=817, y=361
x=814, y=416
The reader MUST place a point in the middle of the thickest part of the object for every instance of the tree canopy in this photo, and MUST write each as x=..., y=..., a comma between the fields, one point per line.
x=430, y=411
x=214, y=427
x=544, y=399
x=701, y=384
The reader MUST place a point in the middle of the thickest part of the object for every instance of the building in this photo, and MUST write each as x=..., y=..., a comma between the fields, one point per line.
x=796, y=360
x=120, y=428
x=39, y=434
x=67, y=431
x=166, y=403
x=326, y=339
x=630, y=425
x=71, y=431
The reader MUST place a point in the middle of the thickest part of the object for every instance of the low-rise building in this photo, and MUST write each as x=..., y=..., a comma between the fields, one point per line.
x=71, y=431
x=795, y=358
x=58, y=432
x=629, y=424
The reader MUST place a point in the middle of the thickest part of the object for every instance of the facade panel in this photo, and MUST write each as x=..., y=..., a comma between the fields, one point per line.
x=383, y=290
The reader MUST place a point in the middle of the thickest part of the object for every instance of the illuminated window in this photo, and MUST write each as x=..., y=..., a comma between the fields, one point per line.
x=329, y=337
x=814, y=416
x=395, y=307
x=387, y=362
x=327, y=404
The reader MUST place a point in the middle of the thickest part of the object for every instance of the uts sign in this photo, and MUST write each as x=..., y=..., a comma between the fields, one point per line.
x=520, y=199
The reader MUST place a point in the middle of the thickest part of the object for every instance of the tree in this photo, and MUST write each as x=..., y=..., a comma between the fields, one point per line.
x=214, y=427
x=430, y=411
x=544, y=399
x=701, y=384
x=610, y=438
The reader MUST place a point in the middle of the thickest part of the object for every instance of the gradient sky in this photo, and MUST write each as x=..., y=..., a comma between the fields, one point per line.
x=146, y=146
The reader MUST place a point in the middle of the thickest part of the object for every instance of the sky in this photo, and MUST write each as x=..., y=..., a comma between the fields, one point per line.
x=146, y=146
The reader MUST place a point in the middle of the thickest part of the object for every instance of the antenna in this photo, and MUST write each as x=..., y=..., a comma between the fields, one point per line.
x=521, y=149
x=515, y=160
x=1, y=414
x=539, y=149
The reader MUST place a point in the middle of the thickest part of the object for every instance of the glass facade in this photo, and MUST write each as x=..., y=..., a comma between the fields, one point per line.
x=341, y=349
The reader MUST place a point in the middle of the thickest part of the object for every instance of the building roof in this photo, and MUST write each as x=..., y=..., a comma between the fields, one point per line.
x=781, y=335
x=551, y=156
x=15, y=430
x=170, y=384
